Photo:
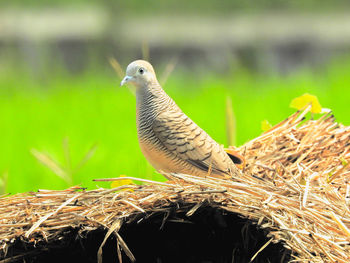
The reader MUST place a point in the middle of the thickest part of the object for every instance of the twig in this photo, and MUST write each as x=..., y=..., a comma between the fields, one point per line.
x=130, y=178
x=340, y=223
x=134, y=206
x=261, y=249
x=322, y=248
x=115, y=227
x=41, y=220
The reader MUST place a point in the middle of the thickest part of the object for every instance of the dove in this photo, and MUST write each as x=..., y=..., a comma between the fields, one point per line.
x=168, y=138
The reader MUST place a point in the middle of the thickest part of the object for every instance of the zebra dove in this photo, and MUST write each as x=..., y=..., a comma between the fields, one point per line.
x=169, y=139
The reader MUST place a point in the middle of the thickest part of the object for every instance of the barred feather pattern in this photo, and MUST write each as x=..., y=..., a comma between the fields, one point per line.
x=172, y=142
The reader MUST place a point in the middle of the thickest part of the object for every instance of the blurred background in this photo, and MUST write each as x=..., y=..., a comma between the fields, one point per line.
x=64, y=120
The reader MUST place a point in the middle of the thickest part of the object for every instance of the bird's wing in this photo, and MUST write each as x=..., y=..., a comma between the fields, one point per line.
x=183, y=138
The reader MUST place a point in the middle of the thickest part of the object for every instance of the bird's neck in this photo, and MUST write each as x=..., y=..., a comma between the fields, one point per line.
x=151, y=100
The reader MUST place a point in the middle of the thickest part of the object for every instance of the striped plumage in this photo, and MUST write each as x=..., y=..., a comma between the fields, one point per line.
x=169, y=139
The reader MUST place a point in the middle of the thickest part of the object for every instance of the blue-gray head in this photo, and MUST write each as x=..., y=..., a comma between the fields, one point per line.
x=140, y=73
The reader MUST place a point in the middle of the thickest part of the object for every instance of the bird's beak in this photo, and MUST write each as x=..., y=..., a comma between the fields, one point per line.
x=126, y=79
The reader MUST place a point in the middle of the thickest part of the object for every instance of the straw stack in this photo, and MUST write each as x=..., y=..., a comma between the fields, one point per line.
x=296, y=184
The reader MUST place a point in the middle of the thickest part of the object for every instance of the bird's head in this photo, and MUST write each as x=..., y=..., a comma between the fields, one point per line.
x=140, y=73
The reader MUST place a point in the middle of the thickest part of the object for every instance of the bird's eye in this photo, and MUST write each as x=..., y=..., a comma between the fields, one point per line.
x=141, y=71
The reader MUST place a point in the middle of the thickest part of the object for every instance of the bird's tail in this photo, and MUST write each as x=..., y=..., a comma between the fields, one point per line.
x=236, y=158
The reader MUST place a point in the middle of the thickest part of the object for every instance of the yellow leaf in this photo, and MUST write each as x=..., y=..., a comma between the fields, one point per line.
x=301, y=102
x=265, y=125
x=123, y=182
x=343, y=161
x=302, y=180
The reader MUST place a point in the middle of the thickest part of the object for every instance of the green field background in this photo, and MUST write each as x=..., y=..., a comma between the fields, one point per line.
x=91, y=108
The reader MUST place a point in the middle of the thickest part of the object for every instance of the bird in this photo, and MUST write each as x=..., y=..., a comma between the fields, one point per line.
x=168, y=138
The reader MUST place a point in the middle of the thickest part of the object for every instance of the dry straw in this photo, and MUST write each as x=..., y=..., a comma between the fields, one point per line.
x=296, y=184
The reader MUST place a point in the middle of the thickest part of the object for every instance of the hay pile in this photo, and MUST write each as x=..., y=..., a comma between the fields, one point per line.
x=295, y=185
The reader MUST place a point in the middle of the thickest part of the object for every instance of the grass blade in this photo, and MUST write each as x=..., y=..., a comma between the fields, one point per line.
x=50, y=163
x=86, y=158
x=230, y=123
x=117, y=68
x=67, y=157
x=3, y=182
x=169, y=68
x=145, y=50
